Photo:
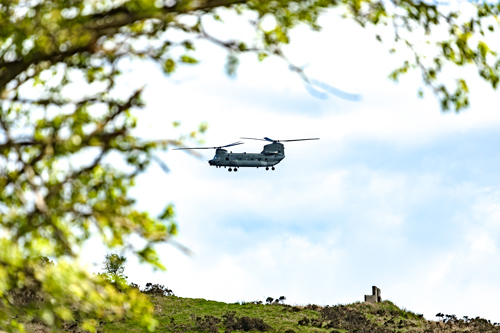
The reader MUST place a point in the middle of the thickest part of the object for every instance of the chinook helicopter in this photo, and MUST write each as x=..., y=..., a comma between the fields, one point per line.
x=272, y=154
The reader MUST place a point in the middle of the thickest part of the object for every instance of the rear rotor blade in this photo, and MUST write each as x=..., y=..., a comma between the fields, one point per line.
x=298, y=140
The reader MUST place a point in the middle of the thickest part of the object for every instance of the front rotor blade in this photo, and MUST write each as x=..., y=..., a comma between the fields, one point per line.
x=254, y=139
x=233, y=144
x=298, y=140
x=195, y=148
x=268, y=139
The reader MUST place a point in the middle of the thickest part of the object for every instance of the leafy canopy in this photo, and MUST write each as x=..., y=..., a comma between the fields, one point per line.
x=113, y=267
x=64, y=124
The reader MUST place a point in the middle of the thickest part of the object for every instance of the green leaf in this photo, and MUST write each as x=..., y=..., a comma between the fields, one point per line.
x=420, y=93
x=169, y=66
x=262, y=55
x=188, y=60
x=168, y=213
x=232, y=65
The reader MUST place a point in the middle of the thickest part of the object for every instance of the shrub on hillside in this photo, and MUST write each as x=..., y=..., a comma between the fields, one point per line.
x=157, y=290
x=476, y=324
x=291, y=308
x=206, y=323
x=313, y=307
x=272, y=301
x=134, y=285
x=347, y=319
x=233, y=323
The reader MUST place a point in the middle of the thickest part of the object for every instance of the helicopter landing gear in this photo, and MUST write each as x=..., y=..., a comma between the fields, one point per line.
x=230, y=170
x=272, y=168
x=235, y=169
x=267, y=168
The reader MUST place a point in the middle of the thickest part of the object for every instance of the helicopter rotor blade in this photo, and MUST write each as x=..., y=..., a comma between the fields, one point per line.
x=254, y=139
x=229, y=145
x=271, y=140
x=232, y=144
x=195, y=148
x=298, y=140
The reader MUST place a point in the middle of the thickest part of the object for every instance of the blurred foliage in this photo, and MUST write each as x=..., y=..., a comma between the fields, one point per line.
x=68, y=155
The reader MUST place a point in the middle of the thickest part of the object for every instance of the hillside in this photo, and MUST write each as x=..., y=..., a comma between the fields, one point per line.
x=176, y=314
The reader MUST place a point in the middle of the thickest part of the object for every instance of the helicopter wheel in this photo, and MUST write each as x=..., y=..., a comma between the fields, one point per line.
x=230, y=170
x=235, y=169
x=272, y=168
x=267, y=168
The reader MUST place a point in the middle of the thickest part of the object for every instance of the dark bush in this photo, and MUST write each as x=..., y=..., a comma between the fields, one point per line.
x=276, y=301
x=313, y=307
x=352, y=320
x=233, y=323
x=290, y=308
x=134, y=285
x=304, y=321
x=157, y=290
x=477, y=324
x=206, y=323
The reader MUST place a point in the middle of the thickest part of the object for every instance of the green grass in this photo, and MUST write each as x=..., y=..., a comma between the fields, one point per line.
x=180, y=310
x=179, y=315
x=172, y=311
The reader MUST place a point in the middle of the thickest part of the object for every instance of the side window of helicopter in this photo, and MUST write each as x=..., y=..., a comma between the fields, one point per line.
x=227, y=158
x=266, y=158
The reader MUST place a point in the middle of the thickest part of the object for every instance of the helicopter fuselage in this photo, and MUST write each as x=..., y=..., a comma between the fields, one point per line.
x=271, y=155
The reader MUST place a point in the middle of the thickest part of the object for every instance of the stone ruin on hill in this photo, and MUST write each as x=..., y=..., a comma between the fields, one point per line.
x=375, y=297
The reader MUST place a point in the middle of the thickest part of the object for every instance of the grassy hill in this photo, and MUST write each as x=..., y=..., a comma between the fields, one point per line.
x=176, y=314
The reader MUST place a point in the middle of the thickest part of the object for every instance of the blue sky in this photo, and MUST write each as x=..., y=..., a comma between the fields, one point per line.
x=395, y=194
